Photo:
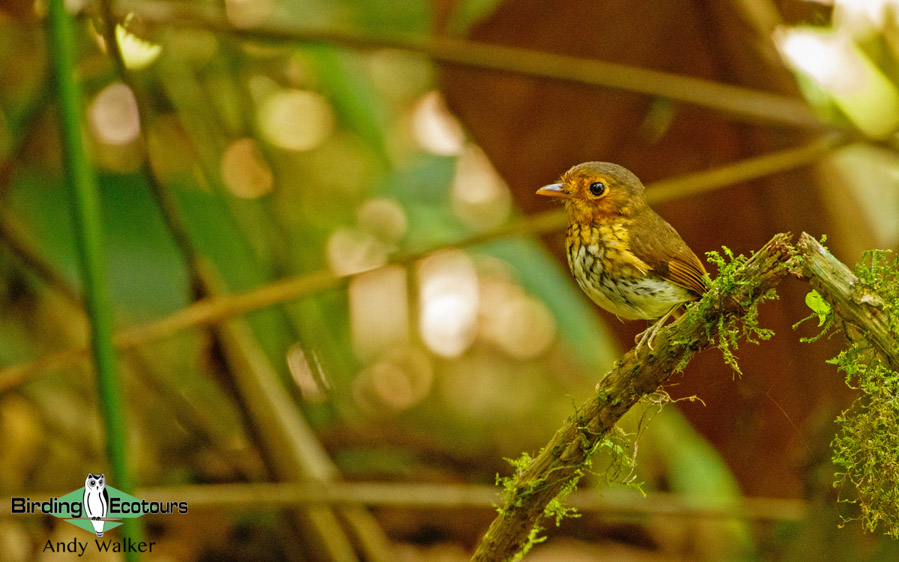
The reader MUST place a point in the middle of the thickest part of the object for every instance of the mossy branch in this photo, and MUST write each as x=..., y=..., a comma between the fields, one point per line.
x=864, y=305
x=852, y=301
x=641, y=371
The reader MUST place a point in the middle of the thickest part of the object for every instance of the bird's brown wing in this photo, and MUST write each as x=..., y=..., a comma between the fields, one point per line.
x=656, y=242
x=688, y=273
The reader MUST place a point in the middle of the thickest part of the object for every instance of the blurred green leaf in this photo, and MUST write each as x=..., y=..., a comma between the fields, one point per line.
x=355, y=98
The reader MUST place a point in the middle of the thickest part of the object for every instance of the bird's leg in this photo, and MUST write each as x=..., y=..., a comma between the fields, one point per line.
x=650, y=333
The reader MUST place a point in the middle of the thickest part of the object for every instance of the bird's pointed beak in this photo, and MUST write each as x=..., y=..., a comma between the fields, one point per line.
x=554, y=190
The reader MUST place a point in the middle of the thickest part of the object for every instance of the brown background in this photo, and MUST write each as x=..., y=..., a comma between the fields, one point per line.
x=771, y=423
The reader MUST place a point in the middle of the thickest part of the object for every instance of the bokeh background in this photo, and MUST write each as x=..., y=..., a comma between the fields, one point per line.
x=341, y=307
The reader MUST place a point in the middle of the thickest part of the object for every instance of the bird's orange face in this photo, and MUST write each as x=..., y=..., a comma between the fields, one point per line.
x=598, y=192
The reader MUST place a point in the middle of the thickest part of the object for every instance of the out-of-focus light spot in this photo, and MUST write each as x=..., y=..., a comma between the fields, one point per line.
x=836, y=64
x=245, y=172
x=400, y=380
x=114, y=118
x=411, y=387
x=354, y=250
x=383, y=217
x=448, y=302
x=248, y=13
x=824, y=56
x=73, y=7
x=310, y=379
x=865, y=17
x=379, y=311
x=479, y=196
x=434, y=127
x=525, y=328
x=517, y=323
x=137, y=53
x=296, y=119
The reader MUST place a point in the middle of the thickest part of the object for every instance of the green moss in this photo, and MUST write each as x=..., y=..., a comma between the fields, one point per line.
x=512, y=494
x=866, y=447
x=556, y=508
x=727, y=265
x=616, y=444
x=534, y=538
x=865, y=450
x=730, y=330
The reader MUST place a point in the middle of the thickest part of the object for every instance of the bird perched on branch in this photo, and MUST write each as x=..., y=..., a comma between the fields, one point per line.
x=627, y=258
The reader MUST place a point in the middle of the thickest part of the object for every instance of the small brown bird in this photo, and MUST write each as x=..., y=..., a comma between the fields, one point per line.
x=627, y=258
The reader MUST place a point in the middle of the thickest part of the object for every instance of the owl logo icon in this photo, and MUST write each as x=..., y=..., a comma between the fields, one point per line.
x=96, y=501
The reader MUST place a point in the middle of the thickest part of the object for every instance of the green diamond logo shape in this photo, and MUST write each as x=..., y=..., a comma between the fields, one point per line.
x=70, y=508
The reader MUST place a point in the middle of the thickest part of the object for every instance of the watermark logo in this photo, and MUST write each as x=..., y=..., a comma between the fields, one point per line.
x=96, y=508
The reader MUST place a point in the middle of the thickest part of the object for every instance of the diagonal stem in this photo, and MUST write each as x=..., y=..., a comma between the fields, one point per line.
x=742, y=103
x=210, y=311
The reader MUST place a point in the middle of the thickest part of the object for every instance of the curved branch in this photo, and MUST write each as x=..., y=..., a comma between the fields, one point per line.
x=640, y=372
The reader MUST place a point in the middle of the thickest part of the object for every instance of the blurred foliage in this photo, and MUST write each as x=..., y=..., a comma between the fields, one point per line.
x=847, y=65
x=262, y=198
x=287, y=160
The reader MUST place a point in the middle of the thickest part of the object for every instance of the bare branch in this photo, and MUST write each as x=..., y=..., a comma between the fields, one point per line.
x=448, y=496
x=743, y=103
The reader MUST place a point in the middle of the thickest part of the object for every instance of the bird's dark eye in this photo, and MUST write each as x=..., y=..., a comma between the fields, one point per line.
x=597, y=188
